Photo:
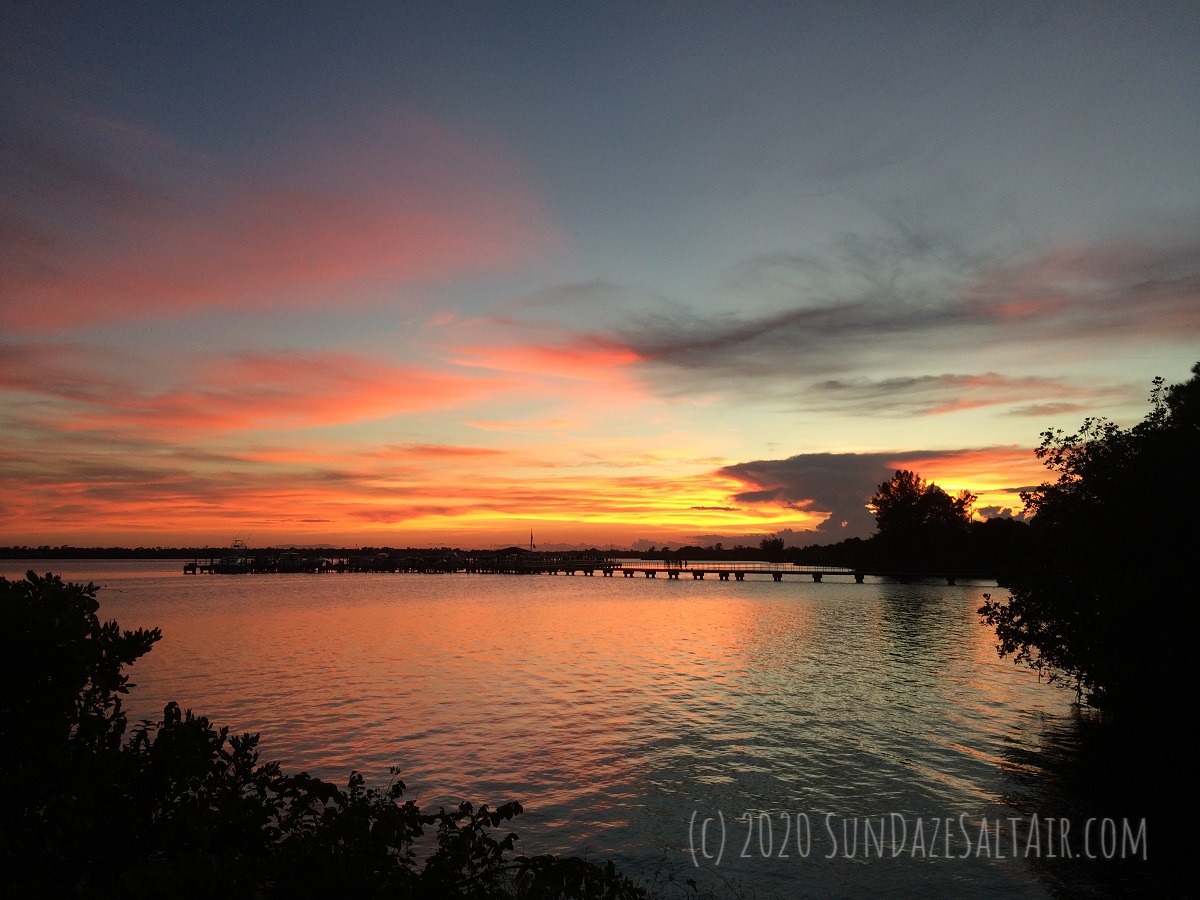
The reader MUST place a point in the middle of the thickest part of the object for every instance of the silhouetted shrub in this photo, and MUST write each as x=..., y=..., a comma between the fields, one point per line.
x=182, y=808
x=1103, y=598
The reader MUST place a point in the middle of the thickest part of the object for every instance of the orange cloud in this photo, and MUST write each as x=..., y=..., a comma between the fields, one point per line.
x=995, y=475
x=70, y=486
x=980, y=470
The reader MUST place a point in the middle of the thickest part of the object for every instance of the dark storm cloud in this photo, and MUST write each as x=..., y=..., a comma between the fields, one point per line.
x=840, y=484
x=835, y=483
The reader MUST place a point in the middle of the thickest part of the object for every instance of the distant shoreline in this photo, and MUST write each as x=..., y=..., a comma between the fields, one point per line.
x=205, y=552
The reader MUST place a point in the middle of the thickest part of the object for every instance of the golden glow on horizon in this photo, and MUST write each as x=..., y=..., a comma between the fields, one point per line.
x=327, y=447
x=991, y=474
x=438, y=495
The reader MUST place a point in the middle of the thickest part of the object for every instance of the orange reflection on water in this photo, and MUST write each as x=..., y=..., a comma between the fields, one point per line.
x=364, y=672
x=567, y=681
x=607, y=706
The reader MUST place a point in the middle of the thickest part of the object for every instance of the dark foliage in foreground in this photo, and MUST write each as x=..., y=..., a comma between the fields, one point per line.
x=182, y=808
x=1103, y=600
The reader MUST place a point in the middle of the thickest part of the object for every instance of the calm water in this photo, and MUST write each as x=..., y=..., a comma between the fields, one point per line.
x=623, y=713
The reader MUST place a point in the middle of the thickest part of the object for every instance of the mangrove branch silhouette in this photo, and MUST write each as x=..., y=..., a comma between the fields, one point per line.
x=187, y=809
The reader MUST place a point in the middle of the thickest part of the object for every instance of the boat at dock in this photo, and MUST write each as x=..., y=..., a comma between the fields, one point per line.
x=235, y=563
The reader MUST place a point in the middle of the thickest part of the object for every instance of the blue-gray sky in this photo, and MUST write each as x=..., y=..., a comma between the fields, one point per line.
x=438, y=272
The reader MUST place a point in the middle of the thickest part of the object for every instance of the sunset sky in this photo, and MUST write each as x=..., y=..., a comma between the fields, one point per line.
x=434, y=274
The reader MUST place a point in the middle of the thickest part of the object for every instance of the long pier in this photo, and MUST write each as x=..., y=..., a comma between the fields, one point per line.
x=585, y=566
x=736, y=571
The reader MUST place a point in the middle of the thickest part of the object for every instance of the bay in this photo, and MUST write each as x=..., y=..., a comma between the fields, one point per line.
x=738, y=733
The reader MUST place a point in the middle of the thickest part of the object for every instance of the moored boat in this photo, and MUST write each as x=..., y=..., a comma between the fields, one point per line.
x=235, y=563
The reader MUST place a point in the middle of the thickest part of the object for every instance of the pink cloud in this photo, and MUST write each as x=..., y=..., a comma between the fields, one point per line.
x=281, y=390
x=940, y=394
x=1129, y=287
x=304, y=237
x=1075, y=300
x=991, y=389
x=584, y=358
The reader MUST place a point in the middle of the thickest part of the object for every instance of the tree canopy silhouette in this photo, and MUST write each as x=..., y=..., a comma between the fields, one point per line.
x=185, y=809
x=919, y=524
x=1104, y=601
x=906, y=503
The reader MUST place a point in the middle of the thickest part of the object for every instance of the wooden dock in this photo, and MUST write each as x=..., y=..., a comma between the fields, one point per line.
x=606, y=568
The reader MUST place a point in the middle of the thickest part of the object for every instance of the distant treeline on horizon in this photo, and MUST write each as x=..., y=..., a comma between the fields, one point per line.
x=990, y=546
x=71, y=552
